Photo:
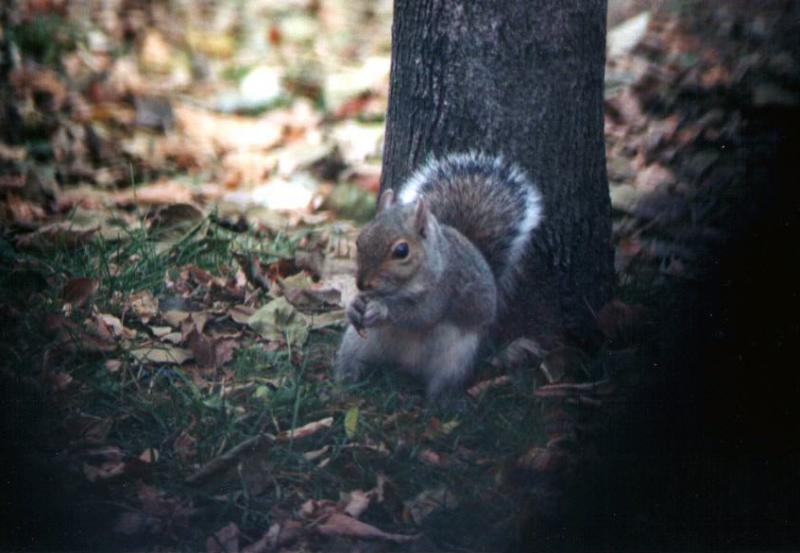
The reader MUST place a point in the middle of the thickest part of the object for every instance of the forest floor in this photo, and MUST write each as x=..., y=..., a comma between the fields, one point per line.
x=178, y=211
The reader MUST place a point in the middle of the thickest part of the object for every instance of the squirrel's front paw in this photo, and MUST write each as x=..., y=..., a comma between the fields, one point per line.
x=364, y=313
x=375, y=314
x=355, y=312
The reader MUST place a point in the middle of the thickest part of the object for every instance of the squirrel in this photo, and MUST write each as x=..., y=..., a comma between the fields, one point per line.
x=436, y=266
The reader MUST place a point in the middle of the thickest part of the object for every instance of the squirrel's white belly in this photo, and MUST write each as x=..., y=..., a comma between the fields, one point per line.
x=429, y=352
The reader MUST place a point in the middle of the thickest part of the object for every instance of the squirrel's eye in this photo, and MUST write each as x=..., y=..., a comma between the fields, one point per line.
x=400, y=250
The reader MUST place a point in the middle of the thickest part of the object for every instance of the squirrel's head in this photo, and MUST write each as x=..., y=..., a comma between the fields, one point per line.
x=391, y=248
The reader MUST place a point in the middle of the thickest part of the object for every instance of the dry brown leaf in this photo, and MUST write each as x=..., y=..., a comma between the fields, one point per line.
x=55, y=235
x=478, y=389
x=428, y=501
x=224, y=351
x=175, y=338
x=105, y=471
x=12, y=153
x=161, y=193
x=307, y=429
x=160, y=331
x=654, y=177
x=202, y=349
x=564, y=363
x=144, y=305
x=356, y=503
x=342, y=525
x=59, y=381
x=17, y=210
x=224, y=540
x=155, y=53
x=316, y=454
x=175, y=318
x=195, y=322
x=109, y=326
x=316, y=508
x=149, y=455
x=74, y=338
x=241, y=313
x=226, y=133
x=431, y=457
x=162, y=353
x=278, y=535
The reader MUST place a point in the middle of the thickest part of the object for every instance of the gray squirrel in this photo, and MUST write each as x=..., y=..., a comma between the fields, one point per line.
x=436, y=266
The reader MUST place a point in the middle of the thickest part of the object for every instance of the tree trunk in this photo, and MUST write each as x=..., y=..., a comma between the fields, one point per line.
x=521, y=78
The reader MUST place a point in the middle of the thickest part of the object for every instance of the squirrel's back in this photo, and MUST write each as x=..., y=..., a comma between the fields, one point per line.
x=491, y=202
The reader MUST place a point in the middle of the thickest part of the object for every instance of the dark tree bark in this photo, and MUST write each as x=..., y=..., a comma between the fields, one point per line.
x=521, y=78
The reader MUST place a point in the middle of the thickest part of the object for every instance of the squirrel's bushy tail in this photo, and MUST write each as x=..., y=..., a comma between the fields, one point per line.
x=491, y=202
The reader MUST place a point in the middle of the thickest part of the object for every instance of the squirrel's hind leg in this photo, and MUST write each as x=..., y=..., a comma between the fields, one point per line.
x=354, y=353
x=452, y=358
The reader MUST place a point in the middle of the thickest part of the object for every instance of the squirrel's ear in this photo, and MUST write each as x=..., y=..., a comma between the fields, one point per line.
x=421, y=217
x=386, y=200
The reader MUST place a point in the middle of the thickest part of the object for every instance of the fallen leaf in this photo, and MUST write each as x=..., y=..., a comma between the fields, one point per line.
x=342, y=525
x=162, y=354
x=174, y=317
x=74, y=338
x=521, y=353
x=241, y=313
x=156, y=53
x=160, y=331
x=224, y=540
x=316, y=454
x=356, y=503
x=428, y=501
x=316, y=508
x=430, y=457
x=278, y=535
x=56, y=235
x=162, y=193
x=18, y=210
x=437, y=428
x=335, y=318
x=106, y=471
x=210, y=353
x=12, y=153
x=144, y=305
x=564, y=363
x=149, y=455
x=110, y=326
x=202, y=349
x=351, y=422
x=59, y=381
x=654, y=177
x=478, y=389
x=280, y=320
x=307, y=429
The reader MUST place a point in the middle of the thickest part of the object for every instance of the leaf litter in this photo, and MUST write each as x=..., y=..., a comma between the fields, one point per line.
x=213, y=293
